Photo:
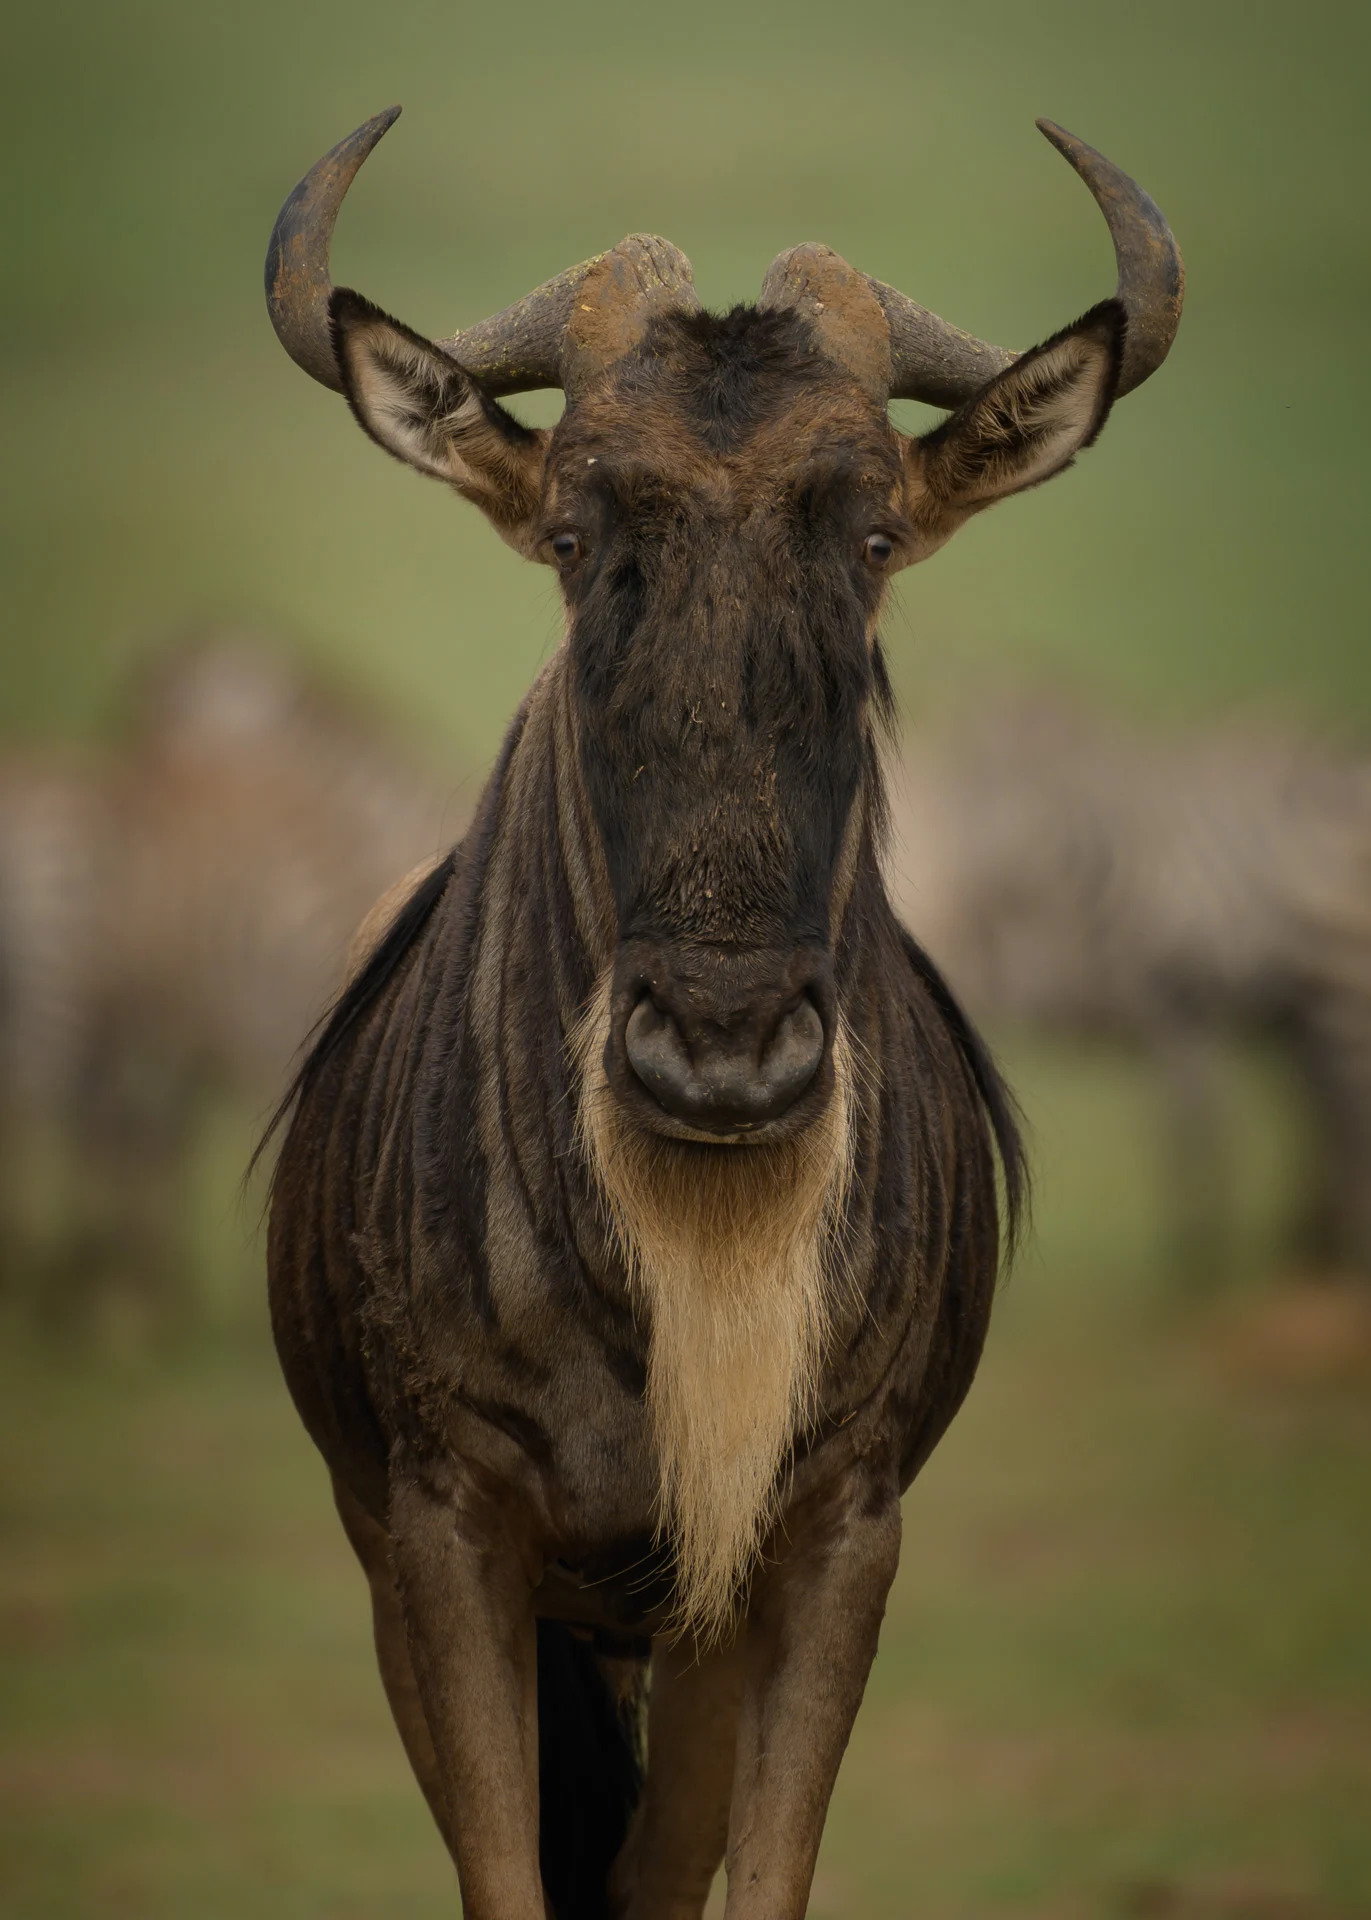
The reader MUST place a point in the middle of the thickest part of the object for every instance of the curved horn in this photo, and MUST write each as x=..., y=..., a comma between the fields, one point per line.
x=297, y=275
x=934, y=361
x=1151, y=271
x=562, y=333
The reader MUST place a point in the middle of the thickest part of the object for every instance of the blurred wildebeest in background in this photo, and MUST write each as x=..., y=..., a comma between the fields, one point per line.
x=173, y=915
x=1074, y=875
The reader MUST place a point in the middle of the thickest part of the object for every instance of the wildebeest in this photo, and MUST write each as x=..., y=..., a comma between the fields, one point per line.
x=1171, y=891
x=54, y=848
x=635, y=1231
x=174, y=912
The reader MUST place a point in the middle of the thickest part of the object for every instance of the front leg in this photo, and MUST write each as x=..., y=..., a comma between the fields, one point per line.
x=813, y=1622
x=467, y=1598
x=678, y=1837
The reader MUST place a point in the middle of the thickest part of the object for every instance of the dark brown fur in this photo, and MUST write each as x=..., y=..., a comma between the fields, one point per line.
x=693, y=785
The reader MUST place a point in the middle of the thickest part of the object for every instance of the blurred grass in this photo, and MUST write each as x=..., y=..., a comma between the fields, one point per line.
x=165, y=456
x=1126, y=1666
x=1126, y=1658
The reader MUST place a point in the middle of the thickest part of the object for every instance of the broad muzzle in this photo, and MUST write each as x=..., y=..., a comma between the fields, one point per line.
x=722, y=1044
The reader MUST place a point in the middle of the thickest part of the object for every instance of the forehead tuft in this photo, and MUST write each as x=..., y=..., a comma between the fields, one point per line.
x=730, y=373
x=724, y=379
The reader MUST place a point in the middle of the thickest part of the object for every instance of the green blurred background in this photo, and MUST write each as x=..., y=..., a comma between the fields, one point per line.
x=1127, y=1667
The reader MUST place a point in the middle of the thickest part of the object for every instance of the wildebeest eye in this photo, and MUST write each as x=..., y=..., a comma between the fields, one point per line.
x=567, y=548
x=878, y=550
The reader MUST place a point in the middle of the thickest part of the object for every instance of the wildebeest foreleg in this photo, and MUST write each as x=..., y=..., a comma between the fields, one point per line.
x=1196, y=1160
x=467, y=1601
x=813, y=1622
x=677, y=1841
x=371, y=1543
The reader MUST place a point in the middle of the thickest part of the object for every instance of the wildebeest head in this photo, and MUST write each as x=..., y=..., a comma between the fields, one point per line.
x=724, y=499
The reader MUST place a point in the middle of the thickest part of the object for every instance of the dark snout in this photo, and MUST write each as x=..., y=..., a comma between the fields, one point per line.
x=732, y=1076
x=721, y=1044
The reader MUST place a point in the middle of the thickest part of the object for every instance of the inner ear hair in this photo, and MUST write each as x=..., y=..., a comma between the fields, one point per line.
x=1030, y=421
x=417, y=403
x=410, y=397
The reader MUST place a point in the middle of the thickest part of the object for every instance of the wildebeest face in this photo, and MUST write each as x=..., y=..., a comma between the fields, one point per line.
x=723, y=499
x=724, y=505
x=722, y=514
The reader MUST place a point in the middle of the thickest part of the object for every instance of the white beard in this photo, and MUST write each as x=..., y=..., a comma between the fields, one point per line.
x=732, y=1254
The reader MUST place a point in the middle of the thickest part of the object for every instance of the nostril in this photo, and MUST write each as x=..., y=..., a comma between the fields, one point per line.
x=656, y=1051
x=795, y=1050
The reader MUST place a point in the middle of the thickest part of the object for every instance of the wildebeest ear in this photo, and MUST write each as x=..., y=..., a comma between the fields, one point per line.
x=1024, y=426
x=417, y=403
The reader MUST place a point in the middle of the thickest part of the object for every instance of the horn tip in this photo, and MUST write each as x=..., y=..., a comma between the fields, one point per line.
x=369, y=133
x=1065, y=143
x=359, y=144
